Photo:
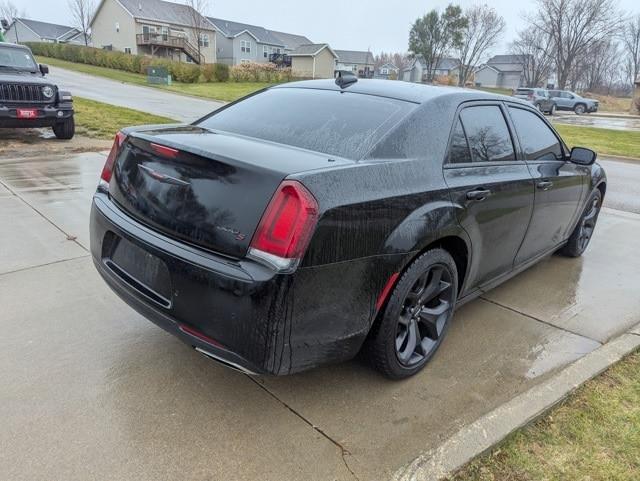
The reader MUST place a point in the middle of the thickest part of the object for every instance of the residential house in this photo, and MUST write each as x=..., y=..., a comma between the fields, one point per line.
x=358, y=62
x=315, y=60
x=26, y=30
x=290, y=40
x=501, y=71
x=154, y=27
x=387, y=71
x=416, y=71
x=242, y=43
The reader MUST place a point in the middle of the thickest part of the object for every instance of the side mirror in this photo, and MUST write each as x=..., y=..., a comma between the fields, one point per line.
x=44, y=69
x=582, y=156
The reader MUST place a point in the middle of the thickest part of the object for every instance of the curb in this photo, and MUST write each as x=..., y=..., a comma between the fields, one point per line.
x=493, y=427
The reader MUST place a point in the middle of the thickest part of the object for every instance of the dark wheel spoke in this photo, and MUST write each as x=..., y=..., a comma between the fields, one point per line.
x=408, y=345
x=433, y=319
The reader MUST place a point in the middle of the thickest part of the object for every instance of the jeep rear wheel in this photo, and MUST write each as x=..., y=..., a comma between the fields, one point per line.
x=66, y=129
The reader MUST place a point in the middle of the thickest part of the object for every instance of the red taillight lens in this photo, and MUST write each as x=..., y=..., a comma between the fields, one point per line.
x=286, y=226
x=107, y=170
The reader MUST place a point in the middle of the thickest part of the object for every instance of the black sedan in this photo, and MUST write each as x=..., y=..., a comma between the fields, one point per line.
x=315, y=220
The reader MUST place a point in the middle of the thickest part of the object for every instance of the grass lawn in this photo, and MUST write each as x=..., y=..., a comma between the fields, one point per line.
x=603, y=141
x=225, y=91
x=593, y=436
x=495, y=90
x=102, y=121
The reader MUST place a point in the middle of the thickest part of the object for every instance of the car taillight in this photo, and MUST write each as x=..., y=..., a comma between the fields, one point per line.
x=107, y=170
x=286, y=227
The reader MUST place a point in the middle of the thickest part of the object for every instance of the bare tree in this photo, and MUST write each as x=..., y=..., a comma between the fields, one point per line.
x=600, y=67
x=575, y=26
x=197, y=12
x=400, y=60
x=8, y=11
x=535, y=49
x=82, y=11
x=434, y=35
x=631, y=44
x=483, y=30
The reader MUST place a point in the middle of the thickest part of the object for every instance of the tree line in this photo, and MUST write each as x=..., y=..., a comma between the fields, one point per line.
x=584, y=44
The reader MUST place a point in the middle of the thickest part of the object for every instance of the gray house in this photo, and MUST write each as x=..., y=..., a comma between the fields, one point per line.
x=386, y=71
x=416, y=71
x=241, y=43
x=501, y=71
x=291, y=41
x=26, y=30
x=359, y=62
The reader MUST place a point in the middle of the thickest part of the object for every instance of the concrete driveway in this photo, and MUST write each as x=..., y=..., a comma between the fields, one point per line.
x=146, y=99
x=91, y=390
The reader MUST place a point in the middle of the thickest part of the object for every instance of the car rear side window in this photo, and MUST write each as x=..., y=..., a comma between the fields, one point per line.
x=332, y=122
x=487, y=134
x=537, y=140
x=459, y=149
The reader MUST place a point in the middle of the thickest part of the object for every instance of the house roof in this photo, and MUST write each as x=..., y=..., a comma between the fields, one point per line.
x=355, y=56
x=311, y=50
x=448, y=63
x=508, y=59
x=161, y=11
x=232, y=29
x=290, y=40
x=48, y=30
x=388, y=66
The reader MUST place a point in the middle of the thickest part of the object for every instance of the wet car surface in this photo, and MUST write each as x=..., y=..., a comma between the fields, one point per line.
x=91, y=389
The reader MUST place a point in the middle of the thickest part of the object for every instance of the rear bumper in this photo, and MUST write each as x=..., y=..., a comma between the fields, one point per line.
x=48, y=116
x=251, y=318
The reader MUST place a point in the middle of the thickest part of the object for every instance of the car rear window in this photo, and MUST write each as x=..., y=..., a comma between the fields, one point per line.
x=337, y=123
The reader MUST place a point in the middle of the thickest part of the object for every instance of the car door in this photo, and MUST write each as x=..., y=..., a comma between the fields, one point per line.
x=492, y=188
x=558, y=183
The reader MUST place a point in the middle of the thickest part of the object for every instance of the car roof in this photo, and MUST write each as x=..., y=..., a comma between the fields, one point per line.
x=14, y=45
x=397, y=89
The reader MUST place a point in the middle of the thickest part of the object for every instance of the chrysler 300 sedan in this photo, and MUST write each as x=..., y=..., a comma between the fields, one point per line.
x=316, y=220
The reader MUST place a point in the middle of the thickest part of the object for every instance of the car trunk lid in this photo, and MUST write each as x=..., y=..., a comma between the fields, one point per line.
x=201, y=187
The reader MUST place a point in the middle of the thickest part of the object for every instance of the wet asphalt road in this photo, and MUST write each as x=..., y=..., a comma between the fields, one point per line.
x=91, y=390
x=145, y=99
x=593, y=120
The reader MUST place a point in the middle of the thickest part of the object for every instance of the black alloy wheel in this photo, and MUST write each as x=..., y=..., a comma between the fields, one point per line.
x=581, y=235
x=425, y=311
x=411, y=326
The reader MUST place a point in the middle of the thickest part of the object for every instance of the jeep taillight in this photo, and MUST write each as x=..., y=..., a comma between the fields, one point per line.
x=107, y=170
x=286, y=227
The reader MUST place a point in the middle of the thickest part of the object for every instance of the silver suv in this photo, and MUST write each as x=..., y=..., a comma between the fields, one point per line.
x=567, y=100
x=540, y=99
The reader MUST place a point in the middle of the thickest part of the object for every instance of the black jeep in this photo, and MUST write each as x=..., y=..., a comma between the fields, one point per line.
x=27, y=99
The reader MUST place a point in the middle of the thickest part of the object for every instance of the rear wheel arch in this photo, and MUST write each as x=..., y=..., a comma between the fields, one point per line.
x=602, y=187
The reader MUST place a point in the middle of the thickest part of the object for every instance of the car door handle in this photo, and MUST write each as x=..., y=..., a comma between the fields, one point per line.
x=544, y=185
x=480, y=194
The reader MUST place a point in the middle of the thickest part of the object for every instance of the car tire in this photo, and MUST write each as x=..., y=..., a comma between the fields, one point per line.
x=411, y=326
x=65, y=130
x=580, y=109
x=581, y=235
x=553, y=110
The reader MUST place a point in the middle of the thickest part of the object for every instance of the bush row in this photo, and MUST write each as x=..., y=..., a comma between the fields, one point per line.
x=181, y=72
x=259, y=72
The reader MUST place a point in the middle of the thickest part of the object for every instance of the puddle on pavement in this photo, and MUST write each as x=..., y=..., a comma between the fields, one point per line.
x=612, y=123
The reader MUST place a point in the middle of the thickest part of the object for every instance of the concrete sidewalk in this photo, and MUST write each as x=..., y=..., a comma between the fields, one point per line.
x=91, y=390
x=182, y=108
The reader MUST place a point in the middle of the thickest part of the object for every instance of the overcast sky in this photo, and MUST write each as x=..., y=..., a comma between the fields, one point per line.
x=344, y=24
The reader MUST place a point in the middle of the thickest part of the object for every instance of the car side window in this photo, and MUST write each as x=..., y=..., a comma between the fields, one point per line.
x=487, y=134
x=459, y=149
x=537, y=140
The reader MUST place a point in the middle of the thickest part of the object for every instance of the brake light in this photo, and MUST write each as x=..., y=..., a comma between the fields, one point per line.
x=107, y=170
x=285, y=229
x=164, y=151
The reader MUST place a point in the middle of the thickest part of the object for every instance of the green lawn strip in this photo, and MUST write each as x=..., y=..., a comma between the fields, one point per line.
x=102, y=121
x=594, y=435
x=604, y=141
x=224, y=91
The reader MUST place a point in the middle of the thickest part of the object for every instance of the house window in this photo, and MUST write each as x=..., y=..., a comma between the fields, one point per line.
x=117, y=26
x=127, y=50
x=245, y=46
x=204, y=39
x=385, y=71
x=244, y=60
x=188, y=59
x=265, y=51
